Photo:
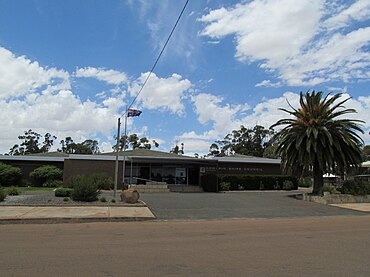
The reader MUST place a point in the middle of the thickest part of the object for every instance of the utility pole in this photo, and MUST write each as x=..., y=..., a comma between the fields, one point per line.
x=124, y=150
x=117, y=155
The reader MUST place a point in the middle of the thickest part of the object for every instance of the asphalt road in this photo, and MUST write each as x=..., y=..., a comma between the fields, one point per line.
x=248, y=204
x=309, y=246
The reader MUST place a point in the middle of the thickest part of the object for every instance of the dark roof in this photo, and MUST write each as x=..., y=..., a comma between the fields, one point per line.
x=230, y=159
x=146, y=153
x=240, y=156
x=50, y=154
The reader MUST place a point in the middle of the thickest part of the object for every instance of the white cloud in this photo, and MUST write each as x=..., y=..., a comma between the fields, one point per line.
x=297, y=41
x=20, y=76
x=321, y=63
x=114, y=103
x=62, y=114
x=32, y=97
x=110, y=76
x=225, y=118
x=209, y=109
x=106, y=147
x=362, y=106
x=268, y=83
x=165, y=94
x=263, y=26
x=192, y=135
x=339, y=90
x=192, y=146
x=267, y=112
x=358, y=11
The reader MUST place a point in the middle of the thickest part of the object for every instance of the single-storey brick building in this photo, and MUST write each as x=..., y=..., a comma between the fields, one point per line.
x=143, y=165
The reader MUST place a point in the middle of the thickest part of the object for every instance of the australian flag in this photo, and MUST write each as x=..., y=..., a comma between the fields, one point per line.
x=132, y=113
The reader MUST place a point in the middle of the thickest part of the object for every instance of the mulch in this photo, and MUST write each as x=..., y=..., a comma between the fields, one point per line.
x=49, y=199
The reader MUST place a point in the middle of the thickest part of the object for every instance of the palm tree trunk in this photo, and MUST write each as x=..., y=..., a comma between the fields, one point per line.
x=318, y=180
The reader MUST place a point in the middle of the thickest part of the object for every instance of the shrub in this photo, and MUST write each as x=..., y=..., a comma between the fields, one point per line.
x=66, y=199
x=113, y=200
x=103, y=181
x=288, y=185
x=45, y=174
x=2, y=194
x=12, y=191
x=305, y=182
x=329, y=188
x=256, y=182
x=10, y=175
x=63, y=192
x=224, y=186
x=53, y=183
x=84, y=188
x=103, y=199
x=355, y=187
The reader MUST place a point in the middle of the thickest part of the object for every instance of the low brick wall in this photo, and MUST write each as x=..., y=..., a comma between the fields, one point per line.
x=336, y=198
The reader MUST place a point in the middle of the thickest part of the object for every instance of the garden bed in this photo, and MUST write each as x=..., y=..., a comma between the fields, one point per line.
x=335, y=198
x=48, y=198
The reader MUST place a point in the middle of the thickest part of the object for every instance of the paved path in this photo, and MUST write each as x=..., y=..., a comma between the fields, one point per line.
x=19, y=213
x=310, y=246
x=250, y=204
x=363, y=207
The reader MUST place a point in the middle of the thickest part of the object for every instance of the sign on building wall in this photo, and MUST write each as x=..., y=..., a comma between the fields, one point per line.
x=242, y=169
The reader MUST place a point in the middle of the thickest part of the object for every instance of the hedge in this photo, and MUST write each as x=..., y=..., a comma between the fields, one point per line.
x=63, y=192
x=255, y=182
x=9, y=175
x=209, y=183
x=355, y=187
x=46, y=174
x=3, y=194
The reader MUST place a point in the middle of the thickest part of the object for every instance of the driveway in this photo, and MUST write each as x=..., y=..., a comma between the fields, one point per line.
x=249, y=204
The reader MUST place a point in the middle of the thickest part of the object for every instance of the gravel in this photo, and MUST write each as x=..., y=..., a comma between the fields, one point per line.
x=48, y=199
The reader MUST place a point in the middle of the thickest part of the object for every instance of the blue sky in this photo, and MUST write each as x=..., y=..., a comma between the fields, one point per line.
x=70, y=67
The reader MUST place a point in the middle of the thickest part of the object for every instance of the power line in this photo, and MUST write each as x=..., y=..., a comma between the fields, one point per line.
x=159, y=56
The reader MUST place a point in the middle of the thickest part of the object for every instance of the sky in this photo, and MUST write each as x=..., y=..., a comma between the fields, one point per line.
x=70, y=67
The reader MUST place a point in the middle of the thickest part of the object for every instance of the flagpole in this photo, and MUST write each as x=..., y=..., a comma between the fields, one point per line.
x=124, y=150
x=116, y=164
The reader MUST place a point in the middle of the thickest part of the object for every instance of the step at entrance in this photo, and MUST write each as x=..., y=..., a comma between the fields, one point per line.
x=185, y=188
x=150, y=188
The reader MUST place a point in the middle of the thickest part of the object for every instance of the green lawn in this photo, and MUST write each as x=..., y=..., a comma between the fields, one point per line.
x=25, y=189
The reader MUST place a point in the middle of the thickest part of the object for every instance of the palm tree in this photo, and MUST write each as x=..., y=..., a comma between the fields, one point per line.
x=318, y=137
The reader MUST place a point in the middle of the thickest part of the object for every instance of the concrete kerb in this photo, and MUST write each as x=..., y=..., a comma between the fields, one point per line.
x=72, y=220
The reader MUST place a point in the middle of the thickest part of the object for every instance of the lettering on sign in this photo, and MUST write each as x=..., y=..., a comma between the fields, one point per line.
x=241, y=169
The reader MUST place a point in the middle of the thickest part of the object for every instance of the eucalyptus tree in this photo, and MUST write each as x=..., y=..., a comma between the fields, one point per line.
x=319, y=137
x=31, y=144
x=135, y=142
x=244, y=141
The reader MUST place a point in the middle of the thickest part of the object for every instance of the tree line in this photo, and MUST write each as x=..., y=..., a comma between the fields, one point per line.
x=32, y=142
x=257, y=141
